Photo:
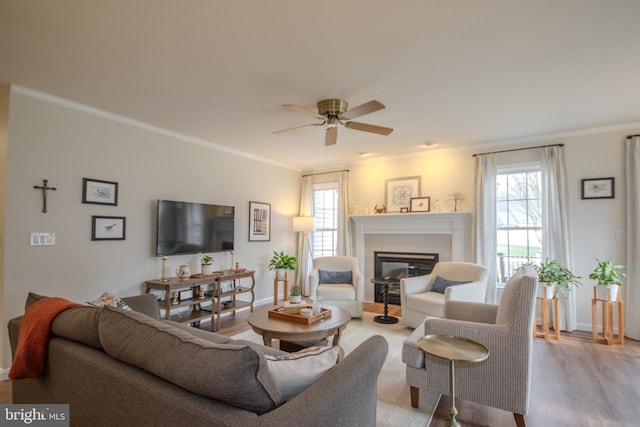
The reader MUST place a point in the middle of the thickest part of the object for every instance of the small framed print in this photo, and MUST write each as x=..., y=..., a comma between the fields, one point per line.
x=108, y=227
x=226, y=287
x=97, y=192
x=420, y=204
x=598, y=188
x=259, y=222
x=404, y=210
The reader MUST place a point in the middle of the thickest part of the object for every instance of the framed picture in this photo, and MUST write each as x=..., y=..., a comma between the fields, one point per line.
x=404, y=210
x=226, y=287
x=259, y=222
x=99, y=192
x=108, y=227
x=400, y=191
x=598, y=188
x=420, y=204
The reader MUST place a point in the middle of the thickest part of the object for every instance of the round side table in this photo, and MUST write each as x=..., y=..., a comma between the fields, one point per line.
x=386, y=281
x=454, y=349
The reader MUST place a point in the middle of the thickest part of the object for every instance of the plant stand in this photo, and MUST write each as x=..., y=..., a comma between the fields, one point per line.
x=544, y=309
x=275, y=289
x=608, y=306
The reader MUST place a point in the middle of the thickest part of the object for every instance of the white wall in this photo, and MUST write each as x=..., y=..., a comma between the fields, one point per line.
x=64, y=145
x=595, y=222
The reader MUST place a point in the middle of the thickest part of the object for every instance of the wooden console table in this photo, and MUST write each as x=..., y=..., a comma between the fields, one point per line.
x=222, y=285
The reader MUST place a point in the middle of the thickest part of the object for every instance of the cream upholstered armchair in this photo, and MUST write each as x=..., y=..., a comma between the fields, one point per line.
x=422, y=296
x=337, y=279
x=503, y=380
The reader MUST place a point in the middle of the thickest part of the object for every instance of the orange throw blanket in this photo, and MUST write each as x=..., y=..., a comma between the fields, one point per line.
x=31, y=352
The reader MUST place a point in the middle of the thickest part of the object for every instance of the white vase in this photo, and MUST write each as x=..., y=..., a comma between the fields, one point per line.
x=545, y=290
x=281, y=274
x=207, y=270
x=607, y=292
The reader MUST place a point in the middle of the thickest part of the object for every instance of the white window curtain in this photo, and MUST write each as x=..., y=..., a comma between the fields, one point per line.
x=303, y=255
x=556, y=224
x=632, y=320
x=344, y=221
x=485, y=224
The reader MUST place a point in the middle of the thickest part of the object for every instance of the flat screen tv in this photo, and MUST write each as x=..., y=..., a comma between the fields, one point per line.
x=189, y=228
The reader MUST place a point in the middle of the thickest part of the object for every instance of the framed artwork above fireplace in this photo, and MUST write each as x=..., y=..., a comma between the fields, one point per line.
x=399, y=191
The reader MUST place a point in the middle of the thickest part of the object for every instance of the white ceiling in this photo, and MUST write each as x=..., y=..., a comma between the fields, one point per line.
x=454, y=72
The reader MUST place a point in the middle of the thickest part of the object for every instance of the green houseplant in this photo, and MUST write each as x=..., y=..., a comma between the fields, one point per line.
x=281, y=262
x=551, y=273
x=609, y=275
x=206, y=264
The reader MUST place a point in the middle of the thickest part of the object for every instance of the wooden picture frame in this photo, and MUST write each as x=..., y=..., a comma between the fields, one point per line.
x=598, y=188
x=108, y=227
x=98, y=192
x=399, y=191
x=420, y=204
x=259, y=222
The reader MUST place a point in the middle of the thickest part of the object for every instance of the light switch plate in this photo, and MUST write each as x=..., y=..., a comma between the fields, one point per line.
x=43, y=239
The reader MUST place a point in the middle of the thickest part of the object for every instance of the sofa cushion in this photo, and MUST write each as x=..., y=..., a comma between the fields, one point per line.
x=336, y=292
x=335, y=277
x=440, y=284
x=296, y=371
x=236, y=375
x=109, y=300
x=79, y=324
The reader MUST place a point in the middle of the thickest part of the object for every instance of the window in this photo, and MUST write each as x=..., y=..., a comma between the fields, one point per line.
x=325, y=210
x=519, y=217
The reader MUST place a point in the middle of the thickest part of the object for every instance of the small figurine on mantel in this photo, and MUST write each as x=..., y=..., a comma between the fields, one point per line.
x=438, y=208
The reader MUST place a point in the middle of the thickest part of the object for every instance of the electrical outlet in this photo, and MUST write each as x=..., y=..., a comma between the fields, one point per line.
x=43, y=239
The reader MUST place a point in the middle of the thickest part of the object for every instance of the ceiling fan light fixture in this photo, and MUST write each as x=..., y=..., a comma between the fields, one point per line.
x=332, y=122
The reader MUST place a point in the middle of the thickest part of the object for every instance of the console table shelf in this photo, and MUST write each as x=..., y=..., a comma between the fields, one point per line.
x=221, y=285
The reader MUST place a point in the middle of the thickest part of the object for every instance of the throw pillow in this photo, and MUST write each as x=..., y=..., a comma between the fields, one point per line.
x=296, y=371
x=440, y=284
x=335, y=277
x=110, y=301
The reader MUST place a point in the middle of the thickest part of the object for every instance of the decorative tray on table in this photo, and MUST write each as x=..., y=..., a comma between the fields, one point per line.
x=292, y=314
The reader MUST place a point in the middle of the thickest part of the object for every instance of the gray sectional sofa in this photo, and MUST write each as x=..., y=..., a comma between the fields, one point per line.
x=129, y=368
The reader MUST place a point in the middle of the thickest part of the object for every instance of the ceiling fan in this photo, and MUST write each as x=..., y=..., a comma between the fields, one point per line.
x=334, y=111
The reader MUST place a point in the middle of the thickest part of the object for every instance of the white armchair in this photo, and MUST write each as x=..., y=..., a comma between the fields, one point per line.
x=502, y=381
x=329, y=279
x=418, y=300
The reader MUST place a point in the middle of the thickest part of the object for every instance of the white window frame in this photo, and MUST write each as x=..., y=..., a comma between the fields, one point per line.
x=507, y=170
x=315, y=236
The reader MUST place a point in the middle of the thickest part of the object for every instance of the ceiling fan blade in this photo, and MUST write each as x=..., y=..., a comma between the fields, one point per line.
x=277, y=132
x=331, y=136
x=361, y=110
x=299, y=109
x=368, y=128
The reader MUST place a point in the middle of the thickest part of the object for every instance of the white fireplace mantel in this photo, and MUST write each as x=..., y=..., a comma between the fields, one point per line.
x=455, y=224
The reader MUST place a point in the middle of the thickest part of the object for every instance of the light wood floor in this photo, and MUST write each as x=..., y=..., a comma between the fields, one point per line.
x=576, y=382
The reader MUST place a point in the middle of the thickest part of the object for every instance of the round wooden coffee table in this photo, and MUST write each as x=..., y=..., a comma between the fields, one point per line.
x=271, y=328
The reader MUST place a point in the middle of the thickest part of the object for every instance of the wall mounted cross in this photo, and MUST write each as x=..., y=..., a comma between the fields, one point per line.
x=44, y=189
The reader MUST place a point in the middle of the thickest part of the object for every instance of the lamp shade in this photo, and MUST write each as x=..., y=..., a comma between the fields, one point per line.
x=304, y=223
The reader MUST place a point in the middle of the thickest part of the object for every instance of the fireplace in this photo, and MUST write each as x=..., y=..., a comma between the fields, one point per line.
x=397, y=265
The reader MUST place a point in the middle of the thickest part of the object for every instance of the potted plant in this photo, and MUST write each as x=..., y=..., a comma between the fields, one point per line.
x=281, y=262
x=207, y=265
x=295, y=294
x=608, y=275
x=553, y=277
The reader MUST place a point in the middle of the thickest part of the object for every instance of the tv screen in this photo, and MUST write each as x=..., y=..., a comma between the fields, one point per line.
x=189, y=228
